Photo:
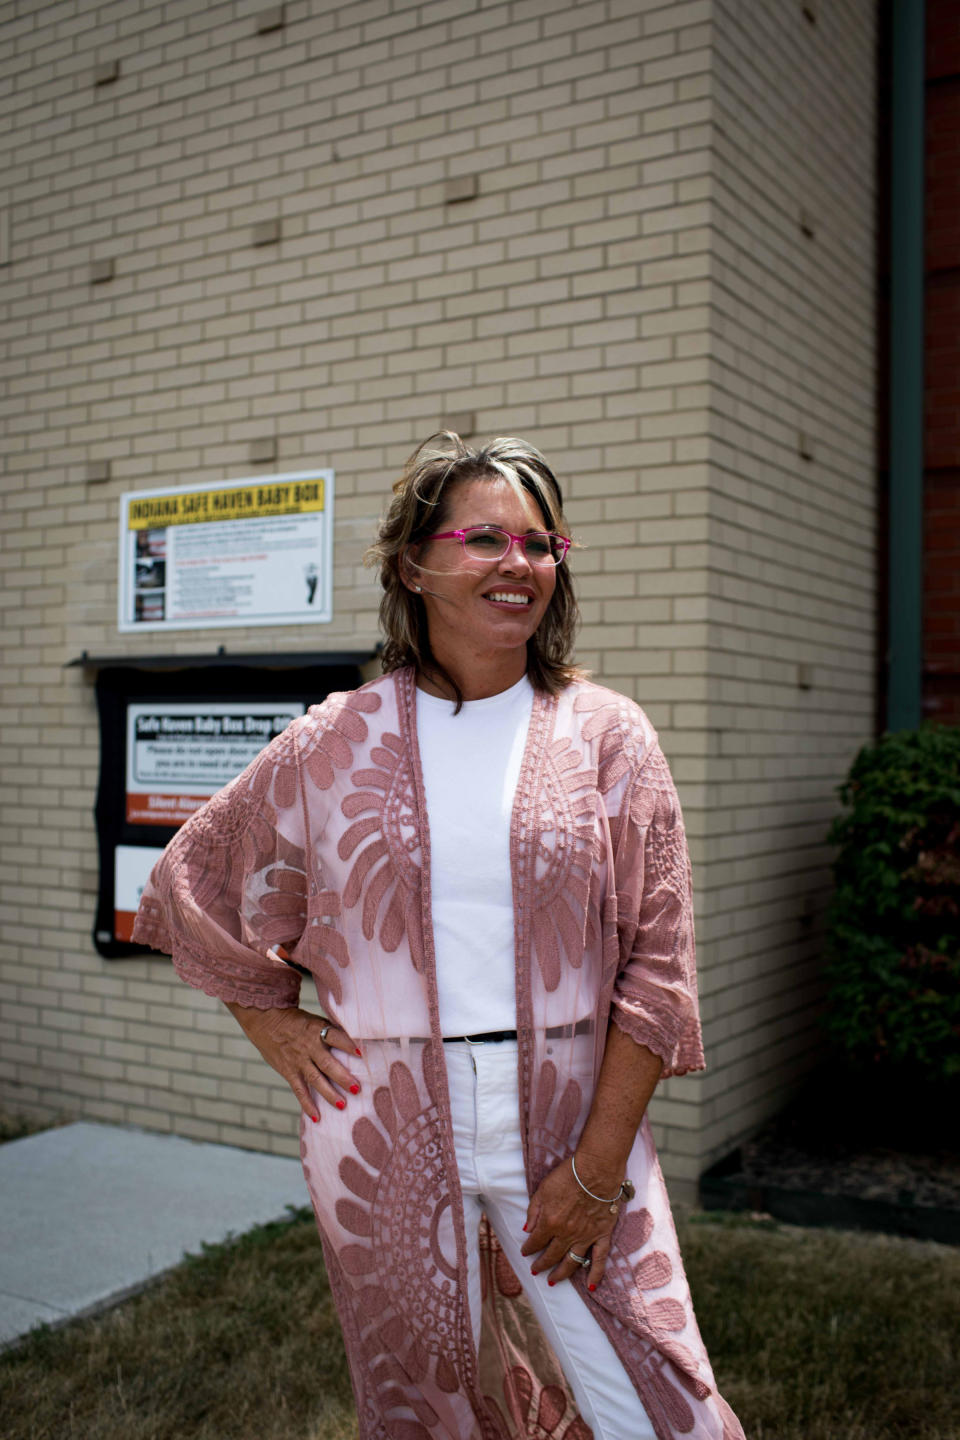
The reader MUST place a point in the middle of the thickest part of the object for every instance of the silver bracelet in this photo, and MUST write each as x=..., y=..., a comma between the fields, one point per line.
x=626, y=1191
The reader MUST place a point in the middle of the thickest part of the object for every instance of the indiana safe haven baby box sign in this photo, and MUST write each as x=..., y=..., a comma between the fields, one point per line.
x=245, y=552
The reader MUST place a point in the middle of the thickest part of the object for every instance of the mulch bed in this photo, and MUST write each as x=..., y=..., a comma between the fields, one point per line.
x=851, y=1159
x=869, y=1174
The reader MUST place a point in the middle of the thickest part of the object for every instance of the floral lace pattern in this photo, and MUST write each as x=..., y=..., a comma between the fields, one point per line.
x=565, y=850
x=556, y=1120
x=530, y=1395
x=322, y=846
x=394, y=1201
x=386, y=842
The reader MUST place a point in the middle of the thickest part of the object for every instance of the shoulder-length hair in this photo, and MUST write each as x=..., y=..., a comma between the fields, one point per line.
x=419, y=509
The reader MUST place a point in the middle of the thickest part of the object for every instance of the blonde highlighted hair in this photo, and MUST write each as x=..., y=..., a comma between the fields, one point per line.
x=419, y=509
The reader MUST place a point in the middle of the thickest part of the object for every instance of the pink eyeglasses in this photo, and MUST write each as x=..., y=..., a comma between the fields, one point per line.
x=489, y=542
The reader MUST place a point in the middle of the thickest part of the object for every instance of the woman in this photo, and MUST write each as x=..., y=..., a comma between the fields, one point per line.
x=480, y=859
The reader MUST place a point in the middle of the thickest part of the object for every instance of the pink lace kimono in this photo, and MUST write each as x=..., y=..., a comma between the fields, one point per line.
x=322, y=845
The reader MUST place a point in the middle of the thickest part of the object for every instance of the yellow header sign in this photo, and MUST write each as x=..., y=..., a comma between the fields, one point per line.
x=240, y=502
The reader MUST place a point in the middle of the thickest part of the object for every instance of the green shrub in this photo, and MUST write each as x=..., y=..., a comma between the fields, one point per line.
x=893, y=941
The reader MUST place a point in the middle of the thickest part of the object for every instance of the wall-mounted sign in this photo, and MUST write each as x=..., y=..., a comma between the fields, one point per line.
x=170, y=738
x=178, y=755
x=243, y=552
x=131, y=871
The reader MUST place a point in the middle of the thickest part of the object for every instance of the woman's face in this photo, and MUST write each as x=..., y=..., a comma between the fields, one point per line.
x=483, y=609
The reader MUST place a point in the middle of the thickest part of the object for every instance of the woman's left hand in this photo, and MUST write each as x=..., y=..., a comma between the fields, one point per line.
x=561, y=1218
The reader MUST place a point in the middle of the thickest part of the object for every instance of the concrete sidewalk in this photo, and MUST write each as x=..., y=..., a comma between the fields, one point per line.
x=89, y=1212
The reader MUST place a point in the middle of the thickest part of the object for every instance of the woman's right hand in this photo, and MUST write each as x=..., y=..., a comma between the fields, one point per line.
x=289, y=1040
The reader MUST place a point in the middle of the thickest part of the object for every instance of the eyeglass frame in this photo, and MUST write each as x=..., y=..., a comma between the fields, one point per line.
x=520, y=540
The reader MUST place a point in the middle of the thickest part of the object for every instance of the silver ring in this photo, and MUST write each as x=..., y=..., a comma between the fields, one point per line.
x=580, y=1259
x=325, y=1032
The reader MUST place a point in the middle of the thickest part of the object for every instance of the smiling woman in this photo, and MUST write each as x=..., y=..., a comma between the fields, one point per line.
x=481, y=610
x=447, y=488
x=480, y=860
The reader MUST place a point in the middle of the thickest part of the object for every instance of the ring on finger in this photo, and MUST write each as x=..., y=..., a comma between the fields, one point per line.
x=580, y=1259
x=325, y=1032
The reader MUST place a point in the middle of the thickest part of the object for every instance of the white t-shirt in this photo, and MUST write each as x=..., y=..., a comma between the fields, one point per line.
x=471, y=765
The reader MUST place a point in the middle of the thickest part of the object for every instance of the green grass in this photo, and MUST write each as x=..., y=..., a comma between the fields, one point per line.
x=828, y=1334
x=814, y=1335
x=241, y=1341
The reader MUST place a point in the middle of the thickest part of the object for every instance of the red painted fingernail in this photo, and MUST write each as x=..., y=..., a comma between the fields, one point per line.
x=314, y=1118
x=551, y=1282
x=354, y=1089
x=591, y=1287
x=341, y=1104
x=358, y=1052
x=526, y=1227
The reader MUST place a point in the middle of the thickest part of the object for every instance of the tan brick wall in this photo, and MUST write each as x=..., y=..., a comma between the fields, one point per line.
x=623, y=289
x=791, y=514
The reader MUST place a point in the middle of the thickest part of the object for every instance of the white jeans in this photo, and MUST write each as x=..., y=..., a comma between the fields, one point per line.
x=486, y=1130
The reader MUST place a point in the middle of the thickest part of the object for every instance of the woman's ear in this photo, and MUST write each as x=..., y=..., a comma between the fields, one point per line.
x=408, y=567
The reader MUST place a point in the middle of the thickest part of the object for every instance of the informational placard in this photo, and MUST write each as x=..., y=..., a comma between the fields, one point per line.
x=171, y=735
x=179, y=754
x=131, y=871
x=257, y=551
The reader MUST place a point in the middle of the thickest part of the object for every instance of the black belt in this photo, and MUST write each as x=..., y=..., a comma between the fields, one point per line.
x=484, y=1037
x=493, y=1037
